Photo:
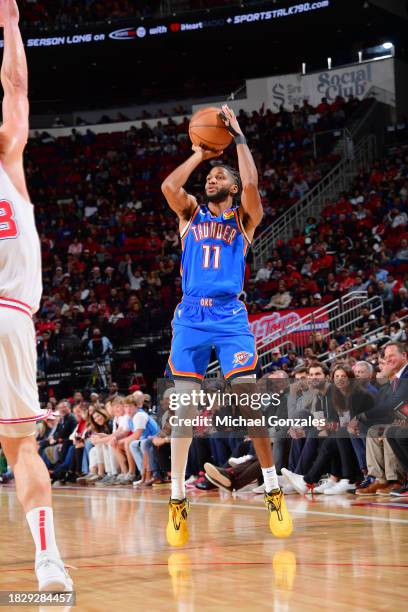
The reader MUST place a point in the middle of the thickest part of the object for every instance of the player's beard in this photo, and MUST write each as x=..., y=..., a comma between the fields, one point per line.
x=219, y=196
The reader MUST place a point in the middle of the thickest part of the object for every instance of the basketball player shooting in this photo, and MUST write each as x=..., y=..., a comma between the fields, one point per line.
x=20, y=292
x=215, y=238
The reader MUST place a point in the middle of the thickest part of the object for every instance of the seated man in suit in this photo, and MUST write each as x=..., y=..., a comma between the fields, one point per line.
x=382, y=462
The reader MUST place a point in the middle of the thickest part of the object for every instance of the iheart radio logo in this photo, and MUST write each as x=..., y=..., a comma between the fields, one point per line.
x=175, y=27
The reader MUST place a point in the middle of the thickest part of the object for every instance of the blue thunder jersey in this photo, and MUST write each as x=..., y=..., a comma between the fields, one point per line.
x=214, y=252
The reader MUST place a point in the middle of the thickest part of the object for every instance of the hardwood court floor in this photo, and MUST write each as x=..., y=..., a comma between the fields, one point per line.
x=345, y=554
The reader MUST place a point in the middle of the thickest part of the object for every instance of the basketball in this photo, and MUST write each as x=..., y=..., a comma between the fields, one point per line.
x=208, y=130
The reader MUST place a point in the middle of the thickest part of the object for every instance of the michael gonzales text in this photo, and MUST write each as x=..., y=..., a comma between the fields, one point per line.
x=241, y=421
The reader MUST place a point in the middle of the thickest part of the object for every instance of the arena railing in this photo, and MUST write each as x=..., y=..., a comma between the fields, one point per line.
x=378, y=331
x=339, y=179
x=339, y=316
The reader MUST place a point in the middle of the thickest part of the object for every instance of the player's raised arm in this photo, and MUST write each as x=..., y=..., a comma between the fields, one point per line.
x=172, y=187
x=250, y=199
x=14, y=79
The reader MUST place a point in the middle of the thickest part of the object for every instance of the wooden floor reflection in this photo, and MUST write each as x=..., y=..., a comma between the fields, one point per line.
x=342, y=556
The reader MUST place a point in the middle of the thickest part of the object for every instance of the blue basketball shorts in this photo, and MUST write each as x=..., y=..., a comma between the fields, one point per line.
x=201, y=324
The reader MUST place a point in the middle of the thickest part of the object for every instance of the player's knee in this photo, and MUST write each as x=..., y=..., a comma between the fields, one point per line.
x=248, y=378
x=244, y=384
x=182, y=430
x=18, y=449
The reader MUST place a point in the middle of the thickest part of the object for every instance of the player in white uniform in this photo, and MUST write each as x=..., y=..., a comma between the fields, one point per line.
x=20, y=292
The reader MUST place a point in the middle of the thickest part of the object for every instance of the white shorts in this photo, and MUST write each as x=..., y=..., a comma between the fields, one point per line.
x=19, y=404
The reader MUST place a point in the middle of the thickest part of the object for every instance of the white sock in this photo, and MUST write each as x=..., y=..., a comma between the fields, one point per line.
x=181, y=440
x=179, y=457
x=270, y=478
x=41, y=523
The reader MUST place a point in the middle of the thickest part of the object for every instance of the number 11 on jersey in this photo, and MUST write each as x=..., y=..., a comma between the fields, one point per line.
x=216, y=251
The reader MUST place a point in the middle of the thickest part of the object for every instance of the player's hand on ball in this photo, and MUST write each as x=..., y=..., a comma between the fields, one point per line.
x=8, y=11
x=230, y=120
x=206, y=153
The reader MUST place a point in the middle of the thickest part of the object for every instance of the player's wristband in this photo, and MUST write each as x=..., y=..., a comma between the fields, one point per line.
x=240, y=139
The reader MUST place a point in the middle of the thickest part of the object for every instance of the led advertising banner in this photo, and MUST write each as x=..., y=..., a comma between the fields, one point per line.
x=143, y=31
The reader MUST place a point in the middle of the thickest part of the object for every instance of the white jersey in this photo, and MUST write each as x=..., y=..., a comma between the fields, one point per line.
x=20, y=253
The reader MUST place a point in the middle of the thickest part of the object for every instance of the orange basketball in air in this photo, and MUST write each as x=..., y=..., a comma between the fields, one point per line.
x=208, y=130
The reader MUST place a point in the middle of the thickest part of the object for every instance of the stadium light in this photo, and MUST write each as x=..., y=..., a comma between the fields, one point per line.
x=329, y=63
x=303, y=68
x=360, y=57
x=388, y=45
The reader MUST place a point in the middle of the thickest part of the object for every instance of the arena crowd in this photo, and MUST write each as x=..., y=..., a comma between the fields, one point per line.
x=357, y=442
x=110, y=246
x=110, y=257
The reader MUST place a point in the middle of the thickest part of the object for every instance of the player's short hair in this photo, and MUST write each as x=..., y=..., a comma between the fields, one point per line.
x=235, y=175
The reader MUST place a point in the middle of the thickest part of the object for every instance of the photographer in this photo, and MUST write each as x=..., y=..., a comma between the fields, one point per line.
x=100, y=347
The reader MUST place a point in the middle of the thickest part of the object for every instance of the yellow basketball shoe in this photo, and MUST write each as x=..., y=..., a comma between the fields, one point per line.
x=177, y=530
x=280, y=520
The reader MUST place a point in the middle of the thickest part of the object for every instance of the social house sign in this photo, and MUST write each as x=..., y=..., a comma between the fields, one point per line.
x=356, y=80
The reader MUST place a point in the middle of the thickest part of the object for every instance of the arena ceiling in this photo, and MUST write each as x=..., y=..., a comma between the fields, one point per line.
x=138, y=66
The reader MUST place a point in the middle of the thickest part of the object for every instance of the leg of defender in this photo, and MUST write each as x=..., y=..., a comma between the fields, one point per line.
x=33, y=489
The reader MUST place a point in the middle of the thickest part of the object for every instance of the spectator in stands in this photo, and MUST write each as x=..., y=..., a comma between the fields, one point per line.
x=397, y=333
x=305, y=441
x=397, y=439
x=236, y=477
x=294, y=361
x=363, y=372
x=144, y=428
x=280, y=300
x=300, y=396
x=157, y=447
x=401, y=255
x=382, y=465
x=47, y=353
x=99, y=456
x=60, y=440
x=279, y=361
x=317, y=343
x=45, y=433
x=401, y=300
x=118, y=442
x=124, y=452
x=265, y=272
x=120, y=430
x=336, y=452
x=71, y=467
